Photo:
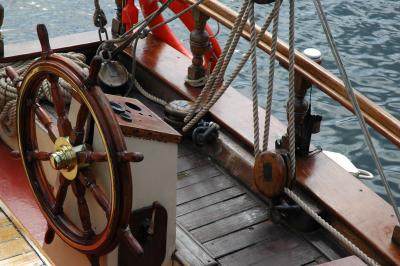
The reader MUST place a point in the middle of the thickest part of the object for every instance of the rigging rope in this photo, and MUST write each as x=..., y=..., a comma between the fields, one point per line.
x=217, y=73
x=290, y=108
x=219, y=92
x=214, y=95
x=271, y=74
x=254, y=85
x=354, y=102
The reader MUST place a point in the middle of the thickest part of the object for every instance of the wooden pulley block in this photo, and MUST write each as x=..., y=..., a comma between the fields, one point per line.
x=270, y=173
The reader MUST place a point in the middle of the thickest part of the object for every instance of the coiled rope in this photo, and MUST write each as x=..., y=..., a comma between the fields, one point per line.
x=8, y=90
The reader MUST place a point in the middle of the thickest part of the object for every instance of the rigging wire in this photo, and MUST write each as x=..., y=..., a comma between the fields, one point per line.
x=354, y=101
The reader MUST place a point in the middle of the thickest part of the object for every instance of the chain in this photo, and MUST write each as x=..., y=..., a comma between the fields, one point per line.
x=100, y=20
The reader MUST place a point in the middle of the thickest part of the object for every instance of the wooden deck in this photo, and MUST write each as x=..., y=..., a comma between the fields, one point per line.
x=231, y=224
x=16, y=246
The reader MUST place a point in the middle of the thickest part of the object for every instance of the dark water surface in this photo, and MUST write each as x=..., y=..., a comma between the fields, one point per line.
x=367, y=35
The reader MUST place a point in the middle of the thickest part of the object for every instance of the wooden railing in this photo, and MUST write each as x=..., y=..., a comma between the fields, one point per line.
x=374, y=115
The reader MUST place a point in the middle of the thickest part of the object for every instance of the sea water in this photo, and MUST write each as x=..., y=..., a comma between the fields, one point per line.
x=367, y=35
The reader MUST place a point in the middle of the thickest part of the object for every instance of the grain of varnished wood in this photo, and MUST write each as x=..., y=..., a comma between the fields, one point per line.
x=145, y=124
x=8, y=232
x=26, y=259
x=13, y=248
x=17, y=247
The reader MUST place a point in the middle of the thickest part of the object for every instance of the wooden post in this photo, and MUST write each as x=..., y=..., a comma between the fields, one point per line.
x=199, y=45
x=116, y=27
x=306, y=123
x=301, y=86
x=1, y=34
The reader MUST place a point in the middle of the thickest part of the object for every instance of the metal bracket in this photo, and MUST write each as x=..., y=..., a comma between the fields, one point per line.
x=149, y=227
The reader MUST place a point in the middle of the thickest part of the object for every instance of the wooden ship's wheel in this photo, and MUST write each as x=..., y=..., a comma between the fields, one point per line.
x=72, y=157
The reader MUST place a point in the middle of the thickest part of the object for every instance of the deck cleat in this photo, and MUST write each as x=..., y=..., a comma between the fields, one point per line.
x=205, y=132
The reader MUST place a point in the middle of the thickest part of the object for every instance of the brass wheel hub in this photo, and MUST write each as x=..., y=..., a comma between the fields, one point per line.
x=65, y=158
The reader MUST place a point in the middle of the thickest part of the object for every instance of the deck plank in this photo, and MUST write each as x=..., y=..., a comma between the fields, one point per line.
x=8, y=233
x=190, y=251
x=4, y=221
x=245, y=238
x=202, y=189
x=191, y=161
x=216, y=212
x=286, y=251
x=231, y=224
x=185, y=148
x=196, y=175
x=26, y=259
x=13, y=248
x=209, y=200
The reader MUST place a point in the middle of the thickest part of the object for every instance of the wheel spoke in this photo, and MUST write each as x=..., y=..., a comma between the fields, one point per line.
x=46, y=121
x=89, y=131
x=61, y=194
x=88, y=157
x=78, y=133
x=49, y=236
x=87, y=179
x=63, y=123
x=83, y=208
x=38, y=155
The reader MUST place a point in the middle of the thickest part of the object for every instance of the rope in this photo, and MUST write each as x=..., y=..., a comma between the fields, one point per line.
x=290, y=108
x=353, y=248
x=234, y=35
x=356, y=106
x=148, y=95
x=9, y=95
x=271, y=74
x=220, y=91
x=254, y=85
